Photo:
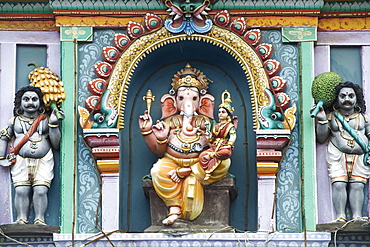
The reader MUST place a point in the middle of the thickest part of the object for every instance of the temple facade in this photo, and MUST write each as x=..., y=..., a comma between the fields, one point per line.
x=109, y=54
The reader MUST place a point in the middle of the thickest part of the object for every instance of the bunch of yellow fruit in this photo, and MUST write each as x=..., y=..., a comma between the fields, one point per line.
x=49, y=83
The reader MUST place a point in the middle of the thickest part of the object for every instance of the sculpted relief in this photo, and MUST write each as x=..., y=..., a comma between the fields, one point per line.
x=194, y=151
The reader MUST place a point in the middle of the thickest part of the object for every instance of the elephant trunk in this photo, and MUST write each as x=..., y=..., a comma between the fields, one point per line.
x=187, y=127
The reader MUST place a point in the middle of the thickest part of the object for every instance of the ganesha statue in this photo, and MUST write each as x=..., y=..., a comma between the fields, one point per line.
x=183, y=133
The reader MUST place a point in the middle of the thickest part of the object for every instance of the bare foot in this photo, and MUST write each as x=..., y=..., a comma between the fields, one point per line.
x=175, y=213
x=39, y=222
x=171, y=219
x=20, y=222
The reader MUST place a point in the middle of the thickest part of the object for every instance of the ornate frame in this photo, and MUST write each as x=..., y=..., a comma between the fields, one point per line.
x=226, y=39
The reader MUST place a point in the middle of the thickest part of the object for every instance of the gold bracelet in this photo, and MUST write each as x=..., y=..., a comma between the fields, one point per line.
x=53, y=125
x=323, y=121
x=162, y=142
x=178, y=173
x=145, y=133
x=230, y=143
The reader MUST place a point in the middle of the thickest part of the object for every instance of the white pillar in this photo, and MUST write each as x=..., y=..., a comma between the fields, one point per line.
x=266, y=188
x=110, y=203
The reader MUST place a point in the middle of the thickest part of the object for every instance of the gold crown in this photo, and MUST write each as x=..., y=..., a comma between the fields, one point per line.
x=189, y=77
x=226, y=102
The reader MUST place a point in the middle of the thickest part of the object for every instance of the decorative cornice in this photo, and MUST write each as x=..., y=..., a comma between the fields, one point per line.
x=27, y=25
x=25, y=7
x=95, y=21
x=281, y=21
x=344, y=24
x=252, y=22
x=158, y=5
x=346, y=6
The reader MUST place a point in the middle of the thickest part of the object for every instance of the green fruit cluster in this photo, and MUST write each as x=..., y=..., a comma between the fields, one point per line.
x=323, y=87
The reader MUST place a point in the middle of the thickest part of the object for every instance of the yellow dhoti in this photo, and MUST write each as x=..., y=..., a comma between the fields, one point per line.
x=188, y=193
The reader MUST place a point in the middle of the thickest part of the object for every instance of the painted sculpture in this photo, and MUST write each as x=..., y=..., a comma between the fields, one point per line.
x=178, y=138
x=222, y=137
x=32, y=135
x=348, y=130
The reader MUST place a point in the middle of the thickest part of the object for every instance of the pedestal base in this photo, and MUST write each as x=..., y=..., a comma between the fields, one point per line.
x=214, y=217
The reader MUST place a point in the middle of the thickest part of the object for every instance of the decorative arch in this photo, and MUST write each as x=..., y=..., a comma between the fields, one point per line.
x=247, y=57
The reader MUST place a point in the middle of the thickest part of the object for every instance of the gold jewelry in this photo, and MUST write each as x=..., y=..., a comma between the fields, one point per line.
x=22, y=220
x=350, y=140
x=30, y=120
x=190, y=77
x=178, y=173
x=39, y=221
x=4, y=132
x=323, y=121
x=186, y=144
x=230, y=143
x=177, y=213
x=162, y=142
x=194, y=139
x=145, y=133
x=53, y=125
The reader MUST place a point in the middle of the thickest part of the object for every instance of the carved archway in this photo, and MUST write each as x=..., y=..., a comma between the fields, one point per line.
x=248, y=59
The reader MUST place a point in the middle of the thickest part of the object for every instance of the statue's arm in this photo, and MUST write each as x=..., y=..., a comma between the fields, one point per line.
x=54, y=131
x=154, y=135
x=6, y=135
x=367, y=127
x=322, y=125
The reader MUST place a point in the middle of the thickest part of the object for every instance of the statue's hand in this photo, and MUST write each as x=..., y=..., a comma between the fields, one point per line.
x=174, y=177
x=5, y=162
x=321, y=115
x=160, y=130
x=53, y=119
x=145, y=121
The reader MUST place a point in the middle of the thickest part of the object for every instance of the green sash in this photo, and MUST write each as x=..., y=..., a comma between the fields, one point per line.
x=352, y=132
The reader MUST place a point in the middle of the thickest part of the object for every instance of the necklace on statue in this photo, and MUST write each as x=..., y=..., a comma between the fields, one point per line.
x=29, y=120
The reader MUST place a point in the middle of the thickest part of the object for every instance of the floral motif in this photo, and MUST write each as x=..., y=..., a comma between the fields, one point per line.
x=300, y=33
x=88, y=187
x=75, y=32
x=288, y=205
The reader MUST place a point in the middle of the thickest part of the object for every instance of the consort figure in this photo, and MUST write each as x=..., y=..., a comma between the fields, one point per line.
x=222, y=137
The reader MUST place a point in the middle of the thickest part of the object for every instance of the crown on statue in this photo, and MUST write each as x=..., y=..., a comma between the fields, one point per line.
x=190, y=77
x=226, y=102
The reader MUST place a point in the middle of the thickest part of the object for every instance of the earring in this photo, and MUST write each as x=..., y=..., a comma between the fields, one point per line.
x=357, y=109
x=42, y=110
x=19, y=111
x=336, y=107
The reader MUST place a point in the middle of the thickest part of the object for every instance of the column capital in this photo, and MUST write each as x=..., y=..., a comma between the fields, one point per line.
x=69, y=33
x=299, y=34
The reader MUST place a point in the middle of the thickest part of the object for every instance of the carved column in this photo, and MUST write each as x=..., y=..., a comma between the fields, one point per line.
x=105, y=149
x=269, y=145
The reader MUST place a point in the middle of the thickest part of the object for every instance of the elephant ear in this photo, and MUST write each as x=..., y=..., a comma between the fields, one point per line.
x=168, y=105
x=207, y=105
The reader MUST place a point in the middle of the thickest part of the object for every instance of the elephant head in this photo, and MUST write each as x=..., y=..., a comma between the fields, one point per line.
x=188, y=98
x=187, y=102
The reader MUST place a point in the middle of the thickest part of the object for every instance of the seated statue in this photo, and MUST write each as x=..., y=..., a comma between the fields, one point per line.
x=32, y=135
x=178, y=138
x=348, y=131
